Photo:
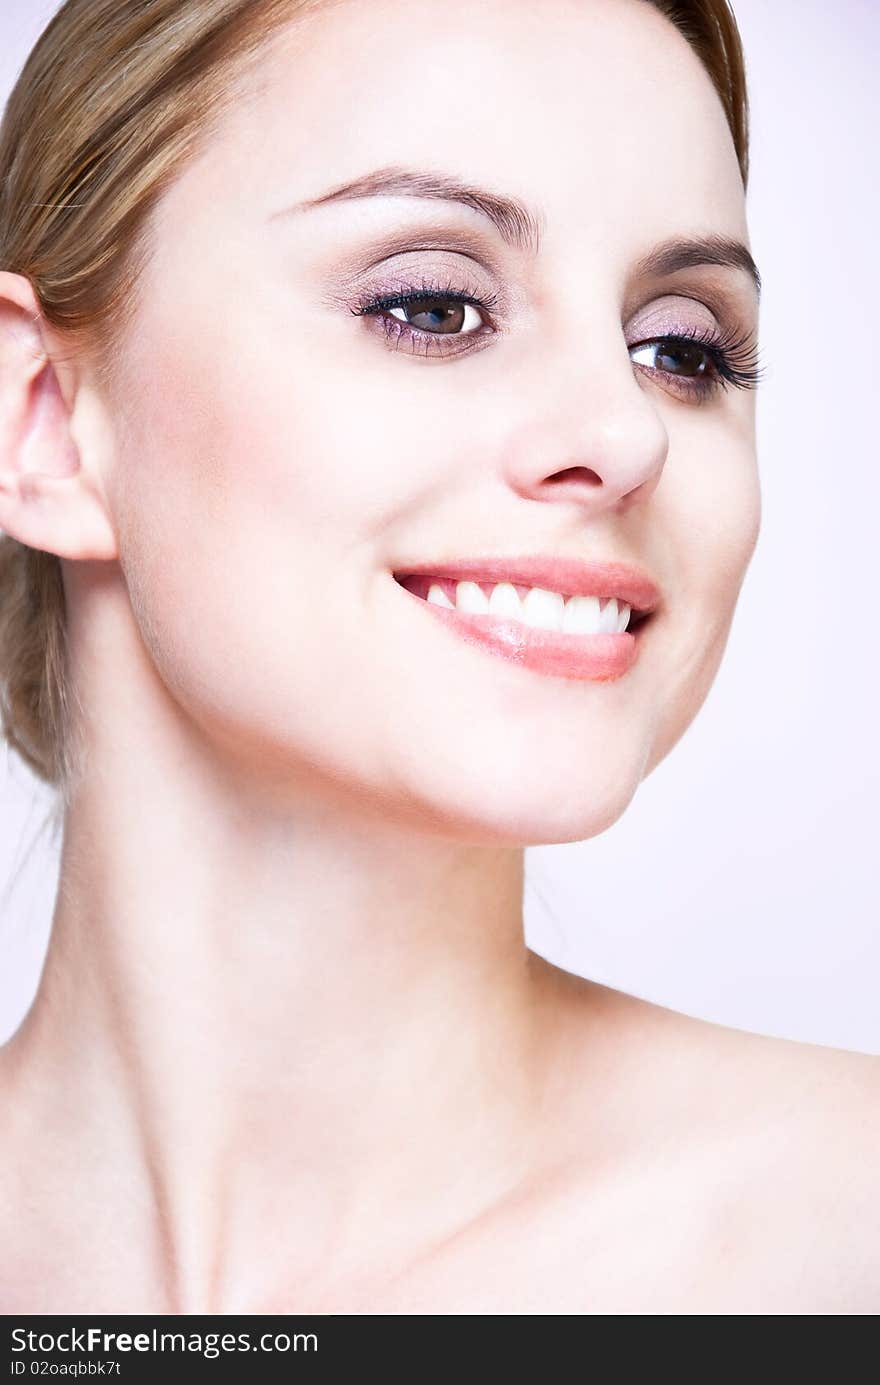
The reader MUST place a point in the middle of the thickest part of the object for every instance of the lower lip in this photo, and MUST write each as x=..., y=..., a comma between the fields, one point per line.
x=599, y=658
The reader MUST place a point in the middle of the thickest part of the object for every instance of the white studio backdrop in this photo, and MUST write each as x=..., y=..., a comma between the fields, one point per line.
x=740, y=885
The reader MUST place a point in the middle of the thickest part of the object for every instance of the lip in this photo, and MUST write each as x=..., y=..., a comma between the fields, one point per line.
x=568, y=576
x=599, y=658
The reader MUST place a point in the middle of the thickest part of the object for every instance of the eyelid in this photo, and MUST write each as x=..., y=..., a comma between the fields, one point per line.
x=716, y=303
x=714, y=310
x=668, y=313
x=436, y=229
x=441, y=227
x=434, y=252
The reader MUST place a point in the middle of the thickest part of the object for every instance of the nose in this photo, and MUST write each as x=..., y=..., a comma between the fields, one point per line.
x=586, y=431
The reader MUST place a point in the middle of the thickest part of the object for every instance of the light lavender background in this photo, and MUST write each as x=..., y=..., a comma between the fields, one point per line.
x=741, y=883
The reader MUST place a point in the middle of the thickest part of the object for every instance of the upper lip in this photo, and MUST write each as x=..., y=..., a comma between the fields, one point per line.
x=568, y=576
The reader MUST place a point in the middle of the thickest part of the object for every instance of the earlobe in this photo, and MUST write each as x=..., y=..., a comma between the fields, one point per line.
x=48, y=498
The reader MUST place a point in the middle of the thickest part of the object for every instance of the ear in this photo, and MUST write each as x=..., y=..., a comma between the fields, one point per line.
x=48, y=497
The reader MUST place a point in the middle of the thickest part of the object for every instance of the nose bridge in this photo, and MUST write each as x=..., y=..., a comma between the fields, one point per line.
x=580, y=419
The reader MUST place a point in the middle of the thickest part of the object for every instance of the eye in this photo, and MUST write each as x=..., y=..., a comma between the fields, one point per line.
x=430, y=319
x=676, y=356
x=433, y=313
x=699, y=367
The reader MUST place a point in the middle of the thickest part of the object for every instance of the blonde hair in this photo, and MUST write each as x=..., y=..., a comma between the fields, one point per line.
x=109, y=105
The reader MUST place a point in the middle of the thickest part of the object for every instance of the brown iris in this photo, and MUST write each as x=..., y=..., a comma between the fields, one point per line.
x=437, y=314
x=682, y=358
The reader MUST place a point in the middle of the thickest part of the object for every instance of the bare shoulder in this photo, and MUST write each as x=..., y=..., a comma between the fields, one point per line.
x=793, y=1085
x=753, y=1159
x=800, y=1127
x=692, y=1054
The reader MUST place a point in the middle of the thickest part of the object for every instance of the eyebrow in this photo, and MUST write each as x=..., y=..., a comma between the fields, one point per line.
x=515, y=222
x=521, y=227
x=689, y=251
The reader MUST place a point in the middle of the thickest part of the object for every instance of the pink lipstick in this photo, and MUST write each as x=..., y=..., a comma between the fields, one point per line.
x=600, y=657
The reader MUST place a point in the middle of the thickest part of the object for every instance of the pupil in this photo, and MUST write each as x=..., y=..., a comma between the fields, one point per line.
x=435, y=319
x=691, y=355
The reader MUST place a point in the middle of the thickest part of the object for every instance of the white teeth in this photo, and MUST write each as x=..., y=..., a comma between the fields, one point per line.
x=504, y=601
x=543, y=609
x=469, y=596
x=581, y=615
x=539, y=608
x=438, y=597
x=608, y=618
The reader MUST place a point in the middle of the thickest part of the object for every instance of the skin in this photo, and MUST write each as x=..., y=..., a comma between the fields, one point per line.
x=289, y=1046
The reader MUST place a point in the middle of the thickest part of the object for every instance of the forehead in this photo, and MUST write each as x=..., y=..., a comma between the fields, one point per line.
x=596, y=112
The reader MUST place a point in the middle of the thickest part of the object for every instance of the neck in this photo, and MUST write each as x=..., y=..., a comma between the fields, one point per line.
x=298, y=1017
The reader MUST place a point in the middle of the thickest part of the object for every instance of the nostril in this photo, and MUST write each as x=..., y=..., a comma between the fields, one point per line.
x=576, y=473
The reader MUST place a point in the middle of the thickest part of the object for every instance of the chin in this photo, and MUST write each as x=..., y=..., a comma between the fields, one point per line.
x=554, y=814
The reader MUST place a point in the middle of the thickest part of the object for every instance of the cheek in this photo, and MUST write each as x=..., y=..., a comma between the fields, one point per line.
x=232, y=462
x=726, y=533
x=709, y=514
x=249, y=523
x=712, y=515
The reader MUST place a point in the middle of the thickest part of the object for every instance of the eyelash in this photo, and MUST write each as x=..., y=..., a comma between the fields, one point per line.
x=395, y=330
x=734, y=359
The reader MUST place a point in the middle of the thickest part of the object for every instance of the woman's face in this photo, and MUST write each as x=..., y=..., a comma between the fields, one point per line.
x=282, y=453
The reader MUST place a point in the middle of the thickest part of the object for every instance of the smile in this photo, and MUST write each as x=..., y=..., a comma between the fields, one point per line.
x=568, y=634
